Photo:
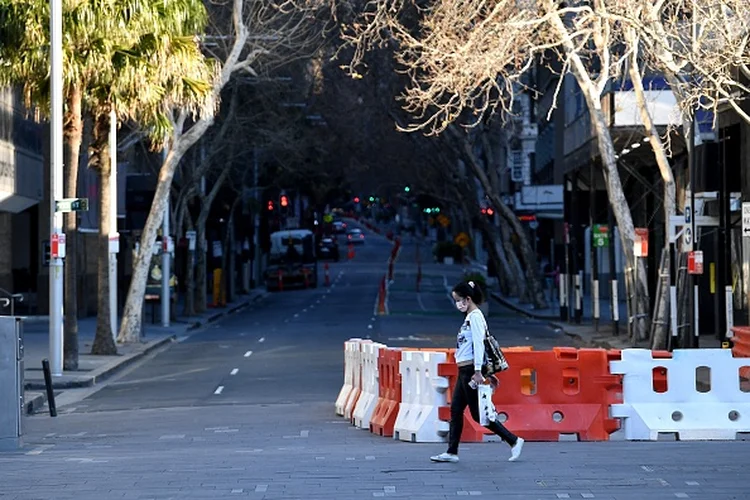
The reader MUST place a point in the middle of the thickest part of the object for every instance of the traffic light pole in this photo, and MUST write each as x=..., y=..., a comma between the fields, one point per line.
x=56, y=265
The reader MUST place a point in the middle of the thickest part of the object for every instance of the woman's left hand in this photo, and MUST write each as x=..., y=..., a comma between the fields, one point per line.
x=477, y=378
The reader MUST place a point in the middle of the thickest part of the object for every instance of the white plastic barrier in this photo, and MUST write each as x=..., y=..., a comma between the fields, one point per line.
x=351, y=346
x=357, y=365
x=422, y=393
x=719, y=413
x=368, y=399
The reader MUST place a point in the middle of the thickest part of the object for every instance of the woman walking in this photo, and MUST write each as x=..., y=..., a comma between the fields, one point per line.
x=470, y=360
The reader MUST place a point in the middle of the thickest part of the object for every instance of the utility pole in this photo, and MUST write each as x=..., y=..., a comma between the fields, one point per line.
x=256, y=222
x=165, y=267
x=114, y=236
x=57, y=238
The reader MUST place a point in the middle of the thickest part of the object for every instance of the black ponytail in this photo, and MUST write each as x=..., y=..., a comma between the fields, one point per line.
x=469, y=289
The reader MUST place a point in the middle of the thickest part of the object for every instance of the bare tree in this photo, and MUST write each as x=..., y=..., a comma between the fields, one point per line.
x=252, y=35
x=469, y=55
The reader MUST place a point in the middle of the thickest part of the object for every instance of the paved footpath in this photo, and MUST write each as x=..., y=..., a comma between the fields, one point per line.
x=304, y=452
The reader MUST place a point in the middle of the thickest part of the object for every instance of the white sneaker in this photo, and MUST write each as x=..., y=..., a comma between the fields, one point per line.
x=445, y=457
x=515, y=451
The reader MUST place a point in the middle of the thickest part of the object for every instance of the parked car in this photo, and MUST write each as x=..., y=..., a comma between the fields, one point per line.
x=355, y=237
x=328, y=248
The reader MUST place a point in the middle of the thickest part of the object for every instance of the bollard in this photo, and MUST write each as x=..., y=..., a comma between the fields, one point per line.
x=328, y=276
x=305, y=273
x=390, y=269
x=381, y=297
x=281, y=281
x=351, y=252
x=48, y=385
x=419, y=275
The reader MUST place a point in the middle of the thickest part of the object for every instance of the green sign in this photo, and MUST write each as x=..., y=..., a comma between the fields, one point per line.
x=72, y=205
x=600, y=235
x=328, y=218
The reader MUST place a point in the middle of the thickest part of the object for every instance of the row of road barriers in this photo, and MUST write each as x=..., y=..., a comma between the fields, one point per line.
x=586, y=394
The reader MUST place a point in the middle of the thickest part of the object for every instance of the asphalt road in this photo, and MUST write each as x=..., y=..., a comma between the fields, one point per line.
x=244, y=409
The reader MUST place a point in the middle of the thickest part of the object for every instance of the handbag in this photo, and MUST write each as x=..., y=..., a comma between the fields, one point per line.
x=494, y=359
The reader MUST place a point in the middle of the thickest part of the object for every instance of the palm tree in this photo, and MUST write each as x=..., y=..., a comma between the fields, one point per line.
x=162, y=69
x=103, y=40
x=24, y=61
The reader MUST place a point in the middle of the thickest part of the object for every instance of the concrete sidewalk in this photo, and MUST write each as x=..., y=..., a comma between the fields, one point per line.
x=93, y=369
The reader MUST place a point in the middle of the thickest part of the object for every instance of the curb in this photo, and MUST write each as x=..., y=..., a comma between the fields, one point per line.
x=521, y=310
x=104, y=372
x=554, y=322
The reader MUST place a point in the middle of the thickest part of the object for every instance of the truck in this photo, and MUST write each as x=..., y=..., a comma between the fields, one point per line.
x=292, y=261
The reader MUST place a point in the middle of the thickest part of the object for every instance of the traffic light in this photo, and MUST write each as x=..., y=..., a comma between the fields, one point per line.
x=407, y=189
x=270, y=206
x=356, y=199
x=284, y=200
x=372, y=198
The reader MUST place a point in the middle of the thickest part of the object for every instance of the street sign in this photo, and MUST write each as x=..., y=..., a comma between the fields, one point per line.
x=745, y=218
x=72, y=205
x=534, y=224
x=695, y=262
x=600, y=235
x=462, y=240
x=687, y=239
x=640, y=247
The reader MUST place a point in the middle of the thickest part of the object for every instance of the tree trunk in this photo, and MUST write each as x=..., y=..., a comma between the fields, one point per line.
x=509, y=284
x=661, y=331
x=132, y=313
x=73, y=133
x=514, y=263
x=531, y=273
x=103, y=340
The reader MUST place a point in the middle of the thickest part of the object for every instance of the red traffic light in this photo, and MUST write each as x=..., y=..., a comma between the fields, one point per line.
x=356, y=200
x=270, y=206
x=484, y=211
x=284, y=200
x=490, y=211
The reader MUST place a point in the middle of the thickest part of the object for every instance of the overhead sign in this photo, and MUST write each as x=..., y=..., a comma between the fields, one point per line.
x=72, y=205
x=600, y=235
x=746, y=218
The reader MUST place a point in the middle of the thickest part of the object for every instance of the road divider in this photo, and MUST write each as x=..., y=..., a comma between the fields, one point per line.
x=551, y=395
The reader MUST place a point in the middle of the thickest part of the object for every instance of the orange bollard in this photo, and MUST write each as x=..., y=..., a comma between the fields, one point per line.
x=351, y=252
x=381, y=297
x=328, y=277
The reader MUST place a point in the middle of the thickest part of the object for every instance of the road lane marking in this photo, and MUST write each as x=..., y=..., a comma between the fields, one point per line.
x=692, y=483
x=261, y=488
x=248, y=353
x=304, y=434
x=369, y=327
x=234, y=371
x=262, y=339
x=219, y=390
x=172, y=436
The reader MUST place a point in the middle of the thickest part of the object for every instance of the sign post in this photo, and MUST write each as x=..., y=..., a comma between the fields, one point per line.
x=746, y=242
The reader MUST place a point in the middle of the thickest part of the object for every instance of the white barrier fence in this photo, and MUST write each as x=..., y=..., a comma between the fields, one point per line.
x=423, y=392
x=693, y=409
x=700, y=396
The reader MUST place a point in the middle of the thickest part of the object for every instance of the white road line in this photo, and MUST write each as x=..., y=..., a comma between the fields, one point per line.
x=218, y=390
x=304, y=434
x=369, y=327
x=234, y=371
x=248, y=353
x=304, y=310
x=261, y=488
x=262, y=339
x=296, y=315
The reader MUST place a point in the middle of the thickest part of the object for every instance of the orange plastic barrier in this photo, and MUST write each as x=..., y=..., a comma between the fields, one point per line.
x=472, y=431
x=548, y=393
x=389, y=384
x=741, y=347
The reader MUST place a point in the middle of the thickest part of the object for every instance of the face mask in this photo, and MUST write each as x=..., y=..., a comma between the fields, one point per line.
x=462, y=305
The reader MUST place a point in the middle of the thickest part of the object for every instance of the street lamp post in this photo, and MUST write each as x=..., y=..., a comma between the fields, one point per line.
x=57, y=238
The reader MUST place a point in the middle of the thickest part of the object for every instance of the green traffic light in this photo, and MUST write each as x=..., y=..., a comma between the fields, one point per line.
x=436, y=210
x=428, y=210
x=407, y=189
x=372, y=198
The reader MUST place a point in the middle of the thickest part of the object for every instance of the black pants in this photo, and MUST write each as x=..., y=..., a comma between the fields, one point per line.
x=464, y=395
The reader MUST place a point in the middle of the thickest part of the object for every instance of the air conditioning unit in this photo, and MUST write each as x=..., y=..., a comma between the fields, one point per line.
x=517, y=165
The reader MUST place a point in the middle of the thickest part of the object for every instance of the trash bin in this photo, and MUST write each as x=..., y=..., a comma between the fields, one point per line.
x=11, y=383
